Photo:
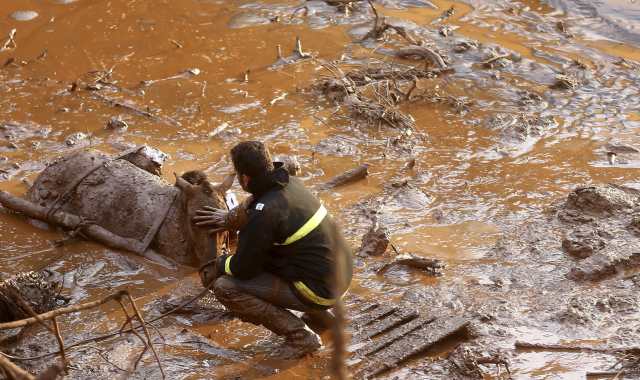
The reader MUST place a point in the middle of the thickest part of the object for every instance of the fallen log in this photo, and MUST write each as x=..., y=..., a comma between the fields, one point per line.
x=73, y=222
x=346, y=178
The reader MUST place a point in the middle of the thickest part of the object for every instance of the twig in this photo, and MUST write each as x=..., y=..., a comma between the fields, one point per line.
x=322, y=121
x=204, y=87
x=177, y=44
x=497, y=57
x=54, y=313
x=41, y=55
x=104, y=336
x=56, y=329
x=10, y=40
x=146, y=331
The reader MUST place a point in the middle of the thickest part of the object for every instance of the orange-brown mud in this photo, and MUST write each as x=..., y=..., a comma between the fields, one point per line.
x=480, y=192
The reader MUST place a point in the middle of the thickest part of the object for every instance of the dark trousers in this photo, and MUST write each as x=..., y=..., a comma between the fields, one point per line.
x=272, y=289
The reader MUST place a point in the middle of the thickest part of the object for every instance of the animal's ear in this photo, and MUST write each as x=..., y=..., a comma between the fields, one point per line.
x=182, y=184
x=226, y=185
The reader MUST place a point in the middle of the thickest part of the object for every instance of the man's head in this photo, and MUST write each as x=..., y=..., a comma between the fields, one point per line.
x=250, y=159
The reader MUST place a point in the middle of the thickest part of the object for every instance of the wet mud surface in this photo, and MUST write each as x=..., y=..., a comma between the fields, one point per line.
x=508, y=164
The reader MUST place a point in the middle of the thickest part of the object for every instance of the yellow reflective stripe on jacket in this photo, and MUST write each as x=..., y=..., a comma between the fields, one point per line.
x=315, y=220
x=227, y=270
x=311, y=296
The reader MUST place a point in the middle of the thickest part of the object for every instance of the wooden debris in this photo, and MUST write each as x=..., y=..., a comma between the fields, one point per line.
x=409, y=345
x=181, y=74
x=217, y=130
x=175, y=43
x=413, y=260
x=395, y=334
x=366, y=318
x=11, y=43
x=346, y=178
x=430, y=56
x=489, y=62
x=298, y=54
x=387, y=323
x=41, y=55
x=8, y=62
x=134, y=110
x=381, y=25
x=72, y=222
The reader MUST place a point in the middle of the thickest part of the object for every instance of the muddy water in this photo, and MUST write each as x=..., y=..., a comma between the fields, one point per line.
x=471, y=186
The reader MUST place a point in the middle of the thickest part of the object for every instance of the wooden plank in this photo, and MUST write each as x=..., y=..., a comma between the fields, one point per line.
x=412, y=344
x=372, y=316
x=392, y=320
x=394, y=335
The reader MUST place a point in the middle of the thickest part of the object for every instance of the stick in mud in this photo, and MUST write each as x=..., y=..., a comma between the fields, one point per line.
x=12, y=372
x=427, y=54
x=175, y=43
x=346, y=178
x=10, y=41
x=181, y=74
x=8, y=62
x=134, y=110
x=297, y=55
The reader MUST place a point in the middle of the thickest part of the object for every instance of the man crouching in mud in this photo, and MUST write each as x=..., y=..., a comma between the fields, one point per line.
x=284, y=258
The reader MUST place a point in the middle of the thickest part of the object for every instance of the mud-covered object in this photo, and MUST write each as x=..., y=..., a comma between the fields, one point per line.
x=584, y=241
x=118, y=194
x=613, y=260
x=375, y=242
x=466, y=358
x=290, y=163
x=132, y=203
x=606, y=200
x=33, y=288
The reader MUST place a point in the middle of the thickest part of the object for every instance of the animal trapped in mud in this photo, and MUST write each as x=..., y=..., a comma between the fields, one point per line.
x=285, y=256
x=122, y=202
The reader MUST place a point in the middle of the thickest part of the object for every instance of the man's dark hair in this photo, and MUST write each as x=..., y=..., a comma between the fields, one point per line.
x=251, y=158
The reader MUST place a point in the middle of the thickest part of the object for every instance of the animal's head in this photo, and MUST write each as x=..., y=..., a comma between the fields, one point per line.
x=197, y=192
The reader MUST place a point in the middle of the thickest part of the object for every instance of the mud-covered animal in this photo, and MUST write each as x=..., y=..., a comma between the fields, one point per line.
x=135, y=204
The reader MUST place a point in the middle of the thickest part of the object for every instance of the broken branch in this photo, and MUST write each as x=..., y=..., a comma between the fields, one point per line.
x=137, y=111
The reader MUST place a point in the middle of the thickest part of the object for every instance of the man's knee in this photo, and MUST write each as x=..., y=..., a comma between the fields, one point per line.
x=225, y=289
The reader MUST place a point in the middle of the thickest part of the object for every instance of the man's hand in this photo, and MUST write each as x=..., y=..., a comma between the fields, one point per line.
x=210, y=216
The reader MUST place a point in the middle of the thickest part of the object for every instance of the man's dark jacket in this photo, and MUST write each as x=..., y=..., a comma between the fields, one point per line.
x=281, y=205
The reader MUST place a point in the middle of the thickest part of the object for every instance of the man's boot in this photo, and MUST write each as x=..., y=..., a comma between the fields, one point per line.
x=300, y=340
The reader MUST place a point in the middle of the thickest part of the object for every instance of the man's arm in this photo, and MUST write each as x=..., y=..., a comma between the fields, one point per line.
x=254, y=241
